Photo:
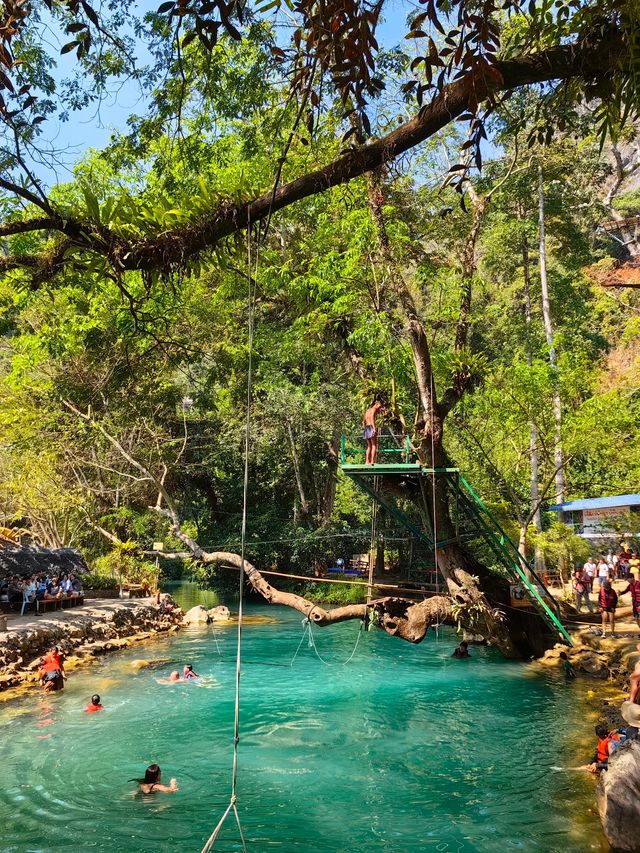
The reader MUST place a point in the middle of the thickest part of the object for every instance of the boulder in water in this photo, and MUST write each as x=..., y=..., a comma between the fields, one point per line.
x=618, y=796
x=219, y=614
x=198, y=615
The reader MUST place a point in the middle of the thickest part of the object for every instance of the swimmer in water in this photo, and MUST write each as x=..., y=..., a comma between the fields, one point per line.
x=151, y=782
x=174, y=678
x=188, y=672
x=94, y=705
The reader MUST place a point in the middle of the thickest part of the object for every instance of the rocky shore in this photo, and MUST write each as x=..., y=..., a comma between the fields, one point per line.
x=611, y=661
x=82, y=634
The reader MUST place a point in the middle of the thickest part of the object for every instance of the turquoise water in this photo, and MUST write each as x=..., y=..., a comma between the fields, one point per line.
x=404, y=749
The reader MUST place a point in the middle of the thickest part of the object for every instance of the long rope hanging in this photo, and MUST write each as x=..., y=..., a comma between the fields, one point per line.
x=433, y=493
x=243, y=538
x=307, y=634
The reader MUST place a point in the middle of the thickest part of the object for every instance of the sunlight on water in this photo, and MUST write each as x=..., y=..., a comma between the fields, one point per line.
x=404, y=749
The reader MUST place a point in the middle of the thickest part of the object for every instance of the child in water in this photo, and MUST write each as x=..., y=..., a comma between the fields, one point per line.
x=94, y=705
x=188, y=672
x=567, y=667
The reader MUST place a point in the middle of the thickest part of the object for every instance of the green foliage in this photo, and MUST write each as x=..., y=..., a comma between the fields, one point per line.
x=99, y=579
x=562, y=549
x=335, y=595
x=122, y=563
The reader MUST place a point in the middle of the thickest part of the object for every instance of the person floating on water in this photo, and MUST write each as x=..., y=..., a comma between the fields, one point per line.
x=567, y=667
x=151, y=782
x=94, y=705
x=462, y=651
x=188, y=672
x=370, y=433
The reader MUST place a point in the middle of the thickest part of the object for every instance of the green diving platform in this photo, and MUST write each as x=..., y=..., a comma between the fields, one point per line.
x=382, y=468
x=398, y=483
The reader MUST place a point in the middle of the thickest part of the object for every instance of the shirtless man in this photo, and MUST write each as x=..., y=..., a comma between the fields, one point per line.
x=370, y=432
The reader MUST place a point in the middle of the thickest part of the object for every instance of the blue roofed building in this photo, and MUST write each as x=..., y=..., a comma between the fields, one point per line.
x=591, y=517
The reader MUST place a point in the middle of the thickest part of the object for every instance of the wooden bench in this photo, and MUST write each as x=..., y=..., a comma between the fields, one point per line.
x=44, y=604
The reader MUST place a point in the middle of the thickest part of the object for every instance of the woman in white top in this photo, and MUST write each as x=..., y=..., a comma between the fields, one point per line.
x=603, y=570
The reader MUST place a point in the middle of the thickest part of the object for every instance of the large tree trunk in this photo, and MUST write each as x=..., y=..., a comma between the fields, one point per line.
x=479, y=592
x=533, y=429
x=553, y=361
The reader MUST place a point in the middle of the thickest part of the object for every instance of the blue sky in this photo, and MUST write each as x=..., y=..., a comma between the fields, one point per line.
x=92, y=127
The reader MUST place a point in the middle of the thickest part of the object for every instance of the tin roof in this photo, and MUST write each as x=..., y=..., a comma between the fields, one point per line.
x=598, y=503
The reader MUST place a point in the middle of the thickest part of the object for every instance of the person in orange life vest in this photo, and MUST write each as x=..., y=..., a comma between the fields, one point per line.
x=608, y=601
x=607, y=742
x=52, y=674
x=633, y=587
x=94, y=705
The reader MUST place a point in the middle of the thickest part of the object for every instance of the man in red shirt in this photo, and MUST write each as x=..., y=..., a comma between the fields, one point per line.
x=608, y=601
x=633, y=587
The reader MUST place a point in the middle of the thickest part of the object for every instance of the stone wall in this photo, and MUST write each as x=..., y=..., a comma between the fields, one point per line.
x=79, y=633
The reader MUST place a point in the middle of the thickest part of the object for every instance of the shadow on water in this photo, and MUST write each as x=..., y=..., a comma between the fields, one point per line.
x=404, y=749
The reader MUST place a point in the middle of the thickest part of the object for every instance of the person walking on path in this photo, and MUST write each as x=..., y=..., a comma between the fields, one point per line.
x=370, y=431
x=581, y=590
x=603, y=570
x=608, y=601
x=590, y=572
x=633, y=587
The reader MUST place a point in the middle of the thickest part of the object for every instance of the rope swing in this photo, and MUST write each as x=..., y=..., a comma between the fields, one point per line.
x=232, y=807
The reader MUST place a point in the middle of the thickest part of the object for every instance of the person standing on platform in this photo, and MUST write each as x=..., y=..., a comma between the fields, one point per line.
x=370, y=434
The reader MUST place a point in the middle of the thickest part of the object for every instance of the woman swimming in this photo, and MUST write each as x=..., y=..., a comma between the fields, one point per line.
x=151, y=782
x=188, y=672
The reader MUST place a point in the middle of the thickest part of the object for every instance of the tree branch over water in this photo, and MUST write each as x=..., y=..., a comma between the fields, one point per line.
x=586, y=59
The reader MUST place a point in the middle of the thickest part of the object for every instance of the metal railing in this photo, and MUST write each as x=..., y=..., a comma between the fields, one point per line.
x=392, y=448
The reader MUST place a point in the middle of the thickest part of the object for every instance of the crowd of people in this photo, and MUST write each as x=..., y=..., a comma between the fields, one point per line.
x=615, y=566
x=14, y=590
x=609, y=740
